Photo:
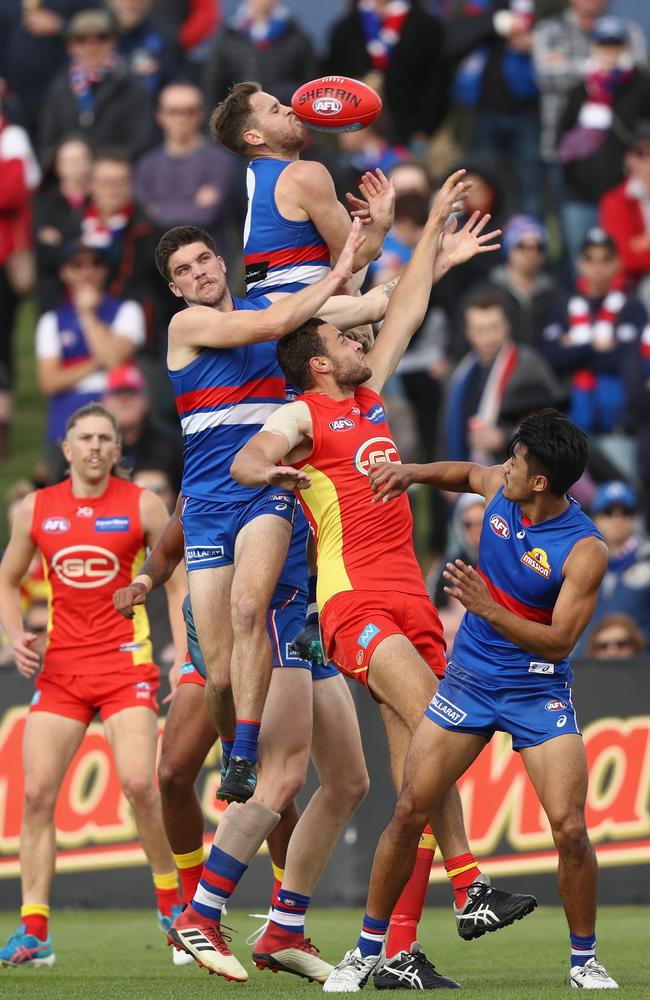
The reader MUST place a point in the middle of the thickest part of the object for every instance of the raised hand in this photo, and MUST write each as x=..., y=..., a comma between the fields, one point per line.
x=468, y=587
x=380, y=195
x=287, y=478
x=460, y=245
x=389, y=479
x=355, y=240
x=449, y=198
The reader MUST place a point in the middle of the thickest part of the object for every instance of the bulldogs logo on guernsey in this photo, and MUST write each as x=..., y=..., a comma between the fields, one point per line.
x=223, y=397
x=279, y=255
x=522, y=565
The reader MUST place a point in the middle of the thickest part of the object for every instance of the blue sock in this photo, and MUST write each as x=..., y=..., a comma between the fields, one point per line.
x=582, y=948
x=226, y=747
x=372, y=936
x=289, y=912
x=312, y=607
x=246, y=736
x=221, y=873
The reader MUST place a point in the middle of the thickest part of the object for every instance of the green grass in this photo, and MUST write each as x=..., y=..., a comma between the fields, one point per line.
x=120, y=954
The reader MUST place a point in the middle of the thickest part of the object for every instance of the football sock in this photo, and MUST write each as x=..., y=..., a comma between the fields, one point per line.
x=289, y=912
x=226, y=747
x=372, y=936
x=462, y=870
x=246, y=737
x=166, y=887
x=278, y=875
x=35, y=917
x=404, y=920
x=582, y=948
x=190, y=866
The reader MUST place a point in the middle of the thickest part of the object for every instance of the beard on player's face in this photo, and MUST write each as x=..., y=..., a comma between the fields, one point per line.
x=348, y=374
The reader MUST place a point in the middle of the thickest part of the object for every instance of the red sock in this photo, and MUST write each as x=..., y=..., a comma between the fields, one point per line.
x=165, y=899
x=404, y=920
x=190, y=878
x=277, y=885
x=36, y=924
x=462, y=870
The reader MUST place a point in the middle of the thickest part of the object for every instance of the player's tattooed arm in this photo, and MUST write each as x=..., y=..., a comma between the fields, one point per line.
x=584, y=570
x=388, y=479
x=15, y=563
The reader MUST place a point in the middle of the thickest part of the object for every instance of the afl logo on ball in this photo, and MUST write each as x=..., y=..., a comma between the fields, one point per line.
x=499, y=526
x=327, y=106
x=380, y=449
x=85, y=566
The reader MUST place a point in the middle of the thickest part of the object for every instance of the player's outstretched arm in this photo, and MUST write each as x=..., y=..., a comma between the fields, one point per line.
x=457, y=246
x=409, y=302
x=584, y=570
x=201, y=326
x=348, y=311
x=388, y=479
x=157, y=568
x=154, y=518
x=284, y=432
x=15, y=563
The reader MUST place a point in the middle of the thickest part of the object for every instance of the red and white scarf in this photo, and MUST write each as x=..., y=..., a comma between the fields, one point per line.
x=382, y=29
x=584, y=328
x=99, y=233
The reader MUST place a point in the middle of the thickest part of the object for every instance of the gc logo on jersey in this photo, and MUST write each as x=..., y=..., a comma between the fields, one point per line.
x=85, y=566
x=380, y=449
x=56, y=525
x=538, y=560
x=499, y=526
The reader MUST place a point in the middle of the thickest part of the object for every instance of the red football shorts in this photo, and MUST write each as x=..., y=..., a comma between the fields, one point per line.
x=190, y=675
x=82, y=696
x=354, y=622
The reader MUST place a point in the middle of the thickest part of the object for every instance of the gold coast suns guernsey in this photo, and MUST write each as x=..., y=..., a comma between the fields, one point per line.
x=90, y=547
x=361, y=545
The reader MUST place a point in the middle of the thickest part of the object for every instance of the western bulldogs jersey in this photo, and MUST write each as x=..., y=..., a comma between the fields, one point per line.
x=522, y=565
x=279, y=255
x=223, y=397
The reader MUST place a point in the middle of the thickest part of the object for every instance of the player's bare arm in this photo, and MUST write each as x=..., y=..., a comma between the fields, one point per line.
x=286, y=435
x=308, y=186
x=202, y=326
x=15, y=563
x=154, y=518
x=389, y=480
x=408, y=305
x=584, y=570
x=157, y=568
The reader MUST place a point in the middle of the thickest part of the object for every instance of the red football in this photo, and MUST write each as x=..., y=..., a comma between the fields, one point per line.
x=336, y=104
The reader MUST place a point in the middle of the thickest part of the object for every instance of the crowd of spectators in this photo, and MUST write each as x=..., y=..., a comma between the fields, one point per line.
x=103, y=146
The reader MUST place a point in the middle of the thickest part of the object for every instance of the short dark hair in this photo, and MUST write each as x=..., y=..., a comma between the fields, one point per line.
x=555, y=448
x=173, y=240
x=232, y=117
x=412, y=206
x=296, y=350
x=486, y=298
x=113, y=154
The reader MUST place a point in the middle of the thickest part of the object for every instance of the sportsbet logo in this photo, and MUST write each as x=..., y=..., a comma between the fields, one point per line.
x=380, y=449
x=85, y=566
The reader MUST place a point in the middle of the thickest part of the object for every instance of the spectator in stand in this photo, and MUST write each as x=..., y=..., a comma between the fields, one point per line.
x=150, y=475
x=625, y=213
x=19, y=176
x=561, y=47
x=616, y=637
x=467, y=522
x=531, y=294
x=127, y=398
x=636, y=375
x=411, y=213
x=493, y=41
x=398, y=48
x=588, y=342
x=497, y=384
x=367, y=149
x=186, y=180
x=626, y=586
x=193, y=22
x=595, y=127
x=150, y=51
x=59, y=207
x=96, y=95
x=411, y=176
x=32, y=48
x=78, y=343
x=260, y=42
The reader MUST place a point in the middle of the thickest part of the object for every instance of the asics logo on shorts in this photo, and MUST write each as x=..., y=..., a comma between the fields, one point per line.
x=85, y=566
x=376, y=450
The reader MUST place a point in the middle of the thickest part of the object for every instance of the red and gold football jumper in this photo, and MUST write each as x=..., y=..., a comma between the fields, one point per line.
x=91, y=546
x=370, y=585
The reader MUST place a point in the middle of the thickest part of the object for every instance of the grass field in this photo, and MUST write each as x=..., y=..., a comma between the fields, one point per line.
x=120, y=955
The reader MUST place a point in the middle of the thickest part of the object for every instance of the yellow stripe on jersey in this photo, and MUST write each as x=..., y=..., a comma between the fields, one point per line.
x=143, y=651
x=323, y=502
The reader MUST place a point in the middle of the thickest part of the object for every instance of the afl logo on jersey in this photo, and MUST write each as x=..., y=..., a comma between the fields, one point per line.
x=343, y=424
x=499, y=526
x=327, y=106
x=85, y=566
x=538, y=560
x=373, y=452
x=56, y=525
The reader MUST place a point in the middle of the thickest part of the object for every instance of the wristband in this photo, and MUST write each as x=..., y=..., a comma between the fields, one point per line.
x=144, y=580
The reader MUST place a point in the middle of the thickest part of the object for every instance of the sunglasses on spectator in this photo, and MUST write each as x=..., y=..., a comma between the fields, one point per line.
x=92, y=37
x=537, y=247
x=81, y=265
x=607, y=259
x=642, y=151
x=194, y=110
x=602, y=644
x=616, y=512
x=478, y=523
